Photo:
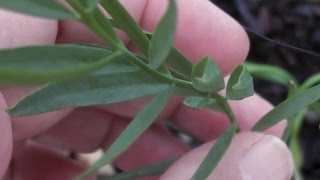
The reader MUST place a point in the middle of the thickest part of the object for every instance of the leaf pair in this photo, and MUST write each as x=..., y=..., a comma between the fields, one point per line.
x=207, y=77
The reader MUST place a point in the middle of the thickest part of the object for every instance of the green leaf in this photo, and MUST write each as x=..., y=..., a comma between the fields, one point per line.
x=43, y=8
x=138, y=125
x=87, y=91
x=240, y=84
x=270, y=73
x=288, y=108
x=206, y=76
x=201, y=103
x=42, y=64
x=215, y=154
x=179, y=64
x=163, y=37
x=148, y=170
x=124, y=20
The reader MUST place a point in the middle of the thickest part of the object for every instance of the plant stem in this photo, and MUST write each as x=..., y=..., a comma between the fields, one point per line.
x=90, y=20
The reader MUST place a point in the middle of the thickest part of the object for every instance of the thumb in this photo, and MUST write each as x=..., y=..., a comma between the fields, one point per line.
x=5, y=138
x=251, y=156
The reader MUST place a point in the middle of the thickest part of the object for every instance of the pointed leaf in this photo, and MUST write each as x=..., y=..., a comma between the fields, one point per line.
x=42, y=64
x=87, y=91
x=206, y=76
x=43, y=8
x=139, y=124
x=124, y=20
x=215, y=154
x=179, y=64
x=240, y=84
x=270, y=73
x=163, y=37
x=288, y=108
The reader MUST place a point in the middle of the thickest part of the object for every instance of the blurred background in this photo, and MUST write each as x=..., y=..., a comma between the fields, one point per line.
x=289, y=22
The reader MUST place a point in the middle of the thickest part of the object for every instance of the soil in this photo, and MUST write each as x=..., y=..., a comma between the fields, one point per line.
x=291, y=22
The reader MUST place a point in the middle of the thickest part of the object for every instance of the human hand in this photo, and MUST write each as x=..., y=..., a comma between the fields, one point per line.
x=203, y=30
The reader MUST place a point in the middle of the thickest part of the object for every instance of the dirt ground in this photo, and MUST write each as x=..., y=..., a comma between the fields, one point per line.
x=293, y=22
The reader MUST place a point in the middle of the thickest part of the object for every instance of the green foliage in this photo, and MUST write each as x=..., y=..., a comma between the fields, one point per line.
x=240, y=84
x=288, y=108
x=206, y=76
x=79, y=75
x=43, y=8
x=163, y=37
x=42, y=64
x=87, y=91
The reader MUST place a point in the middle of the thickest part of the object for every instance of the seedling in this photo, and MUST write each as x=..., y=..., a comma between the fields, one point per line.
x=112, y=74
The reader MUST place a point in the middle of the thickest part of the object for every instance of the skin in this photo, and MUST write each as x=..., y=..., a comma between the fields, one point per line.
x=203, y=29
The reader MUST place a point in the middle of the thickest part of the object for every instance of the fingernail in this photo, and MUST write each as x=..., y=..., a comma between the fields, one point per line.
x=267, y=159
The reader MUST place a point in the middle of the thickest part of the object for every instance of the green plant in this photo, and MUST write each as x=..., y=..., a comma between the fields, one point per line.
x=282, y=77
x=101, y=75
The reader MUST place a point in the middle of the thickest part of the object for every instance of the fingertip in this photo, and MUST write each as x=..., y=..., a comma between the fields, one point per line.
x=250, y=156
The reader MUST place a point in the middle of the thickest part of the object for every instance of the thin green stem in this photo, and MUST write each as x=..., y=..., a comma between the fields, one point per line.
x=90, y=20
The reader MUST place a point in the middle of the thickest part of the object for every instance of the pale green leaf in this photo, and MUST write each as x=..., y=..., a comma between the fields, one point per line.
x=43, y=8
x=42, y=64
x=240, y=84
x=206, y=76
x=215, y=154
x=89, y=5
x=270, y=73
x=163, y=37
x=87, y=91
x=288, y=108
x=137, y=126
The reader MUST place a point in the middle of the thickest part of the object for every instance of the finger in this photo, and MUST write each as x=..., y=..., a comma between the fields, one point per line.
x=208, y=124
x=250, y=156
x=14, y=32
x=5, y=138
x=39, y=162
x=84, y=130
x=75, y=133
x=26, y=127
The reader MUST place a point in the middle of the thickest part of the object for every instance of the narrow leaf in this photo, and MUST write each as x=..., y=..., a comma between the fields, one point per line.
x=148, y=170
x=179, y=64
x=240, y=84
x=215, y=154
x=206, y=76
x=124, y=20
x=87, y=91
x=288, y=108
x=139, y=124
x=163, y=37
x=201, y=103
x=270, y=73
x=42, y=64
x=43, y=8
